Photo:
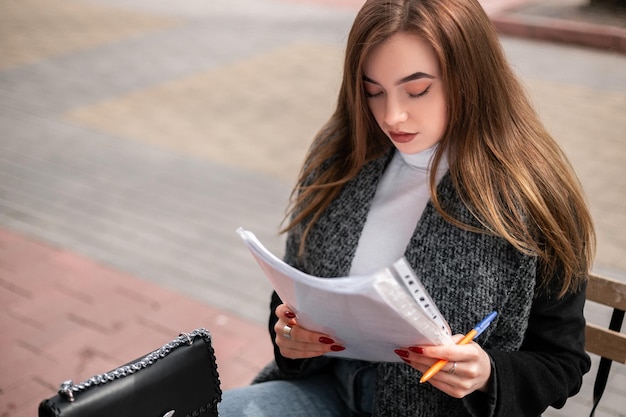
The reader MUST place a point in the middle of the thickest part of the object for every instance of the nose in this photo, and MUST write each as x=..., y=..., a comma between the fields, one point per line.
x=395, y=112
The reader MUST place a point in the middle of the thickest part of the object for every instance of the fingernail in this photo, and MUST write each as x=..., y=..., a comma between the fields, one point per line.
x=406, y=360
x=402, y=353
x=326, y=340
x=337, y=348
x=290, y=315
x=416, y=349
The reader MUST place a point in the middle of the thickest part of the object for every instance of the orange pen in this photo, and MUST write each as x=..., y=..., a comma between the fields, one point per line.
x=471, y=335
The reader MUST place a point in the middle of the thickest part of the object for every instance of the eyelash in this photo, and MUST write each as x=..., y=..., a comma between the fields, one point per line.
x=423, y=93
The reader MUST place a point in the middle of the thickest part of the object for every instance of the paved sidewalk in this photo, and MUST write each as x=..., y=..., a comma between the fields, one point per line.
x=68, y=317
x=130, y=154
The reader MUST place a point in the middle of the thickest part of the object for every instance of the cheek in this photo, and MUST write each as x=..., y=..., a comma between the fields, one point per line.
x=436, y=114
x=442, y=115
x=442, y=110
x=377, y=110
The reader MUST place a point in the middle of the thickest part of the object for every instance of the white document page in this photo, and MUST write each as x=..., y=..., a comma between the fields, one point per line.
x=370, y=315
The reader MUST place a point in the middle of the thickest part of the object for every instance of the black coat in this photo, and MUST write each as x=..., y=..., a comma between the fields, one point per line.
x=536, y=344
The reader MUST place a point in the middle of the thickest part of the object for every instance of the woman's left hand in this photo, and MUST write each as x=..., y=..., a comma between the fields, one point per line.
x=468, y=368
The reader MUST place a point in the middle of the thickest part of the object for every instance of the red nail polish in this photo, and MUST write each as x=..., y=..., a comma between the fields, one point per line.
x=416, y=349
x=326, y=340
x=337, y=348
x=290, y=315
x=402, y=353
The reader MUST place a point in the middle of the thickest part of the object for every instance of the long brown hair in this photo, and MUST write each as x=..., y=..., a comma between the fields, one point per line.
x=506, y=167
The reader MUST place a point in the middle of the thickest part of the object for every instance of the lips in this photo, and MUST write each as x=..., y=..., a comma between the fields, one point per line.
x=402, y=137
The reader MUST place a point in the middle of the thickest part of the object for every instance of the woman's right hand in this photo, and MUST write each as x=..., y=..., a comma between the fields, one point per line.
x=300, y=343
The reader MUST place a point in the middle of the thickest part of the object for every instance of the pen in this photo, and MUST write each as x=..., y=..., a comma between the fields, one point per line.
x=471, y=335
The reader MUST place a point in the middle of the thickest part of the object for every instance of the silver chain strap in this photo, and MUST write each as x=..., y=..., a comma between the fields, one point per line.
x=67, y=388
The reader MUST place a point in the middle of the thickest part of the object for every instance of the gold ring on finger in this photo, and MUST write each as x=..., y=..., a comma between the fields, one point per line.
x=287, y=331
x=451, y=371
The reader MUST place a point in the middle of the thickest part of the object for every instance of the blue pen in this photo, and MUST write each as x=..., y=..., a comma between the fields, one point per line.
x=471, y=335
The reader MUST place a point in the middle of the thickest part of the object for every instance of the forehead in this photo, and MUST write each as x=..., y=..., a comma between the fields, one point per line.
x=400, y=55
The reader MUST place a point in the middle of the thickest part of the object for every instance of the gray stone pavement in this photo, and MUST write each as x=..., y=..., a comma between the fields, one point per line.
x=142, y=133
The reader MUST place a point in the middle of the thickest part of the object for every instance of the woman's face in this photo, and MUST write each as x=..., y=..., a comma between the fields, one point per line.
x=405, y=93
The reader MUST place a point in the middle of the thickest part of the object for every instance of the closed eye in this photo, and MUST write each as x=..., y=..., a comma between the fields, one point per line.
x=421, y=93
x=373, y=95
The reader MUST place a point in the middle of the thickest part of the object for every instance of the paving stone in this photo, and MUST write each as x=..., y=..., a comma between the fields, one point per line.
x=32, y=30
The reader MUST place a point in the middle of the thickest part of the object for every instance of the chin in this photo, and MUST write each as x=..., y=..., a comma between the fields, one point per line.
x=411, y=148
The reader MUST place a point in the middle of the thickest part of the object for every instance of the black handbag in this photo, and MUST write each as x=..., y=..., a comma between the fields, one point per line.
x=179, y=379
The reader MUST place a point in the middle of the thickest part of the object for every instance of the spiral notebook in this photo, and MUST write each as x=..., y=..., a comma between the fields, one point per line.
x=371, y=315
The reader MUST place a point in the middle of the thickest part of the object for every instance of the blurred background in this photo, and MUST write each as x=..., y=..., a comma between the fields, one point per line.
x=137, y=135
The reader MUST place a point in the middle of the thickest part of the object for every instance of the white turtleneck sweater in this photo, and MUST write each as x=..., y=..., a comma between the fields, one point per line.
x=400, y=199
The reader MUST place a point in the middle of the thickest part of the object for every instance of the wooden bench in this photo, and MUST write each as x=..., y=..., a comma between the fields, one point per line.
x=607, y=342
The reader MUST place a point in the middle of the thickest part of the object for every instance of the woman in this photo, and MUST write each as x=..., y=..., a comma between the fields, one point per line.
x=434, y=153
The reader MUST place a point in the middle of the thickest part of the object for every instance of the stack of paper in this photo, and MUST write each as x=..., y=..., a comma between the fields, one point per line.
x=370, y=315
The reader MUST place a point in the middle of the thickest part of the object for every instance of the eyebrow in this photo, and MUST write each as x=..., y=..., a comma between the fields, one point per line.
x=415, y=76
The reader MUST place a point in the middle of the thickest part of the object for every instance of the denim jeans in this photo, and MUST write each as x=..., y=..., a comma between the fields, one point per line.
x=348, y=391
